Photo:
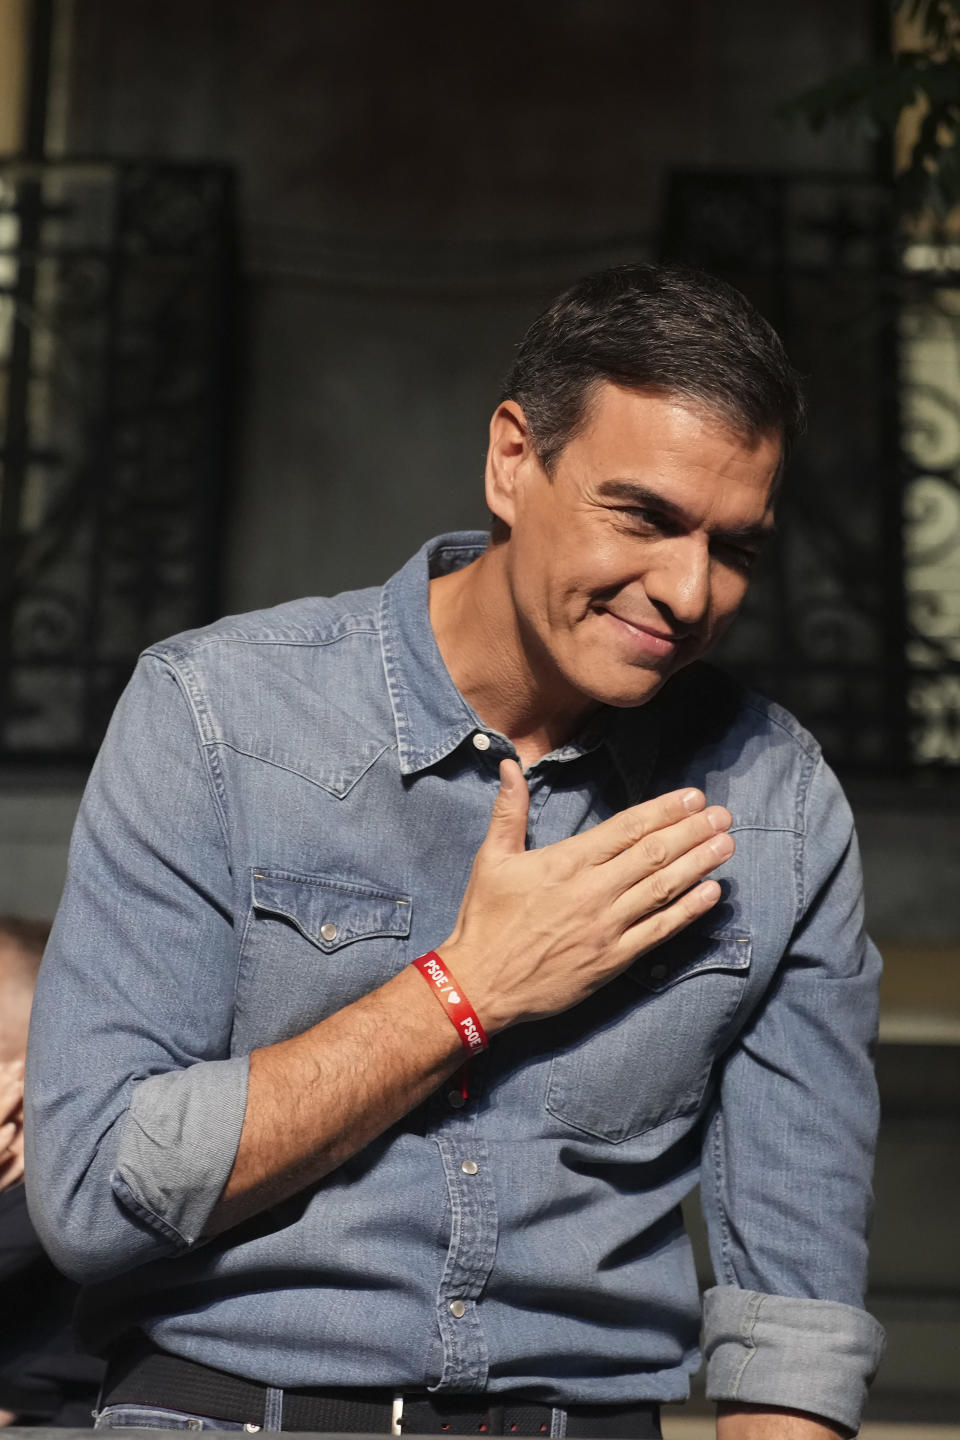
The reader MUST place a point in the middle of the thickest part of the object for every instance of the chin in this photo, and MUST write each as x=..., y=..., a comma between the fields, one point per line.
x=635, y=698
x=626, y=692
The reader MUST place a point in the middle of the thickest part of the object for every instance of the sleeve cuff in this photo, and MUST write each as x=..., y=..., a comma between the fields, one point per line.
x=178, y=1144
x=813, y=1355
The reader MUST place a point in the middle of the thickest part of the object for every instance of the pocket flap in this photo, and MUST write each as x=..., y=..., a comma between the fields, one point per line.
x=690, y=953
x=329, y=912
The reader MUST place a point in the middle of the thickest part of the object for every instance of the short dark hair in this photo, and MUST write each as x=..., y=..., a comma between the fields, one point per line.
x=658, y=328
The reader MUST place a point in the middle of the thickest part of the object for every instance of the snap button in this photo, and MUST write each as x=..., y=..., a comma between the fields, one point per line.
x=456, y=1099
x=469, y=1167
x=481, y=741
x=457, y=1309
x=329, y=931
x=250, y=1427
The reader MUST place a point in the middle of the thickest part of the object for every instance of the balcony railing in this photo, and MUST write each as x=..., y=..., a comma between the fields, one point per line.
x=116, y=298
x=854, y=623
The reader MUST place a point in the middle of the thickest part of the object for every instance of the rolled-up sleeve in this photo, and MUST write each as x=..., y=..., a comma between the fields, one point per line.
x=135, y=1105
x=814, y=1355
x=788, y=1151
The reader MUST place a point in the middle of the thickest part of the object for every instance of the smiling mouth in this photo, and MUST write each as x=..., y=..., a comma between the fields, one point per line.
x=647, y=641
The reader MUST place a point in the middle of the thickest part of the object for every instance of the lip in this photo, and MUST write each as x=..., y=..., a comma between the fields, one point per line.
x=644, y=640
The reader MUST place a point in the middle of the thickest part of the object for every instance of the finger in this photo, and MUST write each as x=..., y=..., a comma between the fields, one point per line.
x=8, y=1134
x=666, y=885
x=507, y=831
x=611, y=837
x=661, y=847
x=663, y=924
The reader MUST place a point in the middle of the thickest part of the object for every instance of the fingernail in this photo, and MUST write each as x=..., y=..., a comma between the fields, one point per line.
x=722, y=846
x=693, y=800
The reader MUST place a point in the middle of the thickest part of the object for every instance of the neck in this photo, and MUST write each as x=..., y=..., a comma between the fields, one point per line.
x=497, y=669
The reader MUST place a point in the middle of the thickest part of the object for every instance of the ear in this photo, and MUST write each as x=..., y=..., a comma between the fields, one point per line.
x=510, y=456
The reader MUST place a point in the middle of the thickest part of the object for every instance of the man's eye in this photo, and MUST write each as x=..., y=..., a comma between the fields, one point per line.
x=642, y=515
x=737, y=556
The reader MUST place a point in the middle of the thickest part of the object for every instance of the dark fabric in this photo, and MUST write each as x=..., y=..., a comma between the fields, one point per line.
x=141, y=1374
x=44, y=1377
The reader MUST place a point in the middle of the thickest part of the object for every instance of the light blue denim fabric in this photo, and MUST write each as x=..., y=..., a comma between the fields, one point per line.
x=283, y=815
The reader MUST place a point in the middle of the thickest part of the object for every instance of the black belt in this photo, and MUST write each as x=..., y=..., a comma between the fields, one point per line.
x=142, y=1374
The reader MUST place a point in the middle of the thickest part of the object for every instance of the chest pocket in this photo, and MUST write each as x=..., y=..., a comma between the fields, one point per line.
x=313, y=944
x=330, y=913
x=642, y=1049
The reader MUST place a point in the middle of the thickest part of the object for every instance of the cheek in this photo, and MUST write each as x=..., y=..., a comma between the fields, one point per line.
x=598, y=565
x=562, y=570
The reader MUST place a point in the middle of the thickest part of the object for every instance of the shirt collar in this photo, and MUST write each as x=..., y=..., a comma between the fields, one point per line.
x=431, y=716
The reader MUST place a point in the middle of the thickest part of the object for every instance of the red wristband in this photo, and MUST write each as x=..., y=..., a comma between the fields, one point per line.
x=460, y=1012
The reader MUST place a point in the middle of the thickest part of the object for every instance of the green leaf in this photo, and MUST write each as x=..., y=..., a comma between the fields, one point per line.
x=878, y=94
x=936, y=18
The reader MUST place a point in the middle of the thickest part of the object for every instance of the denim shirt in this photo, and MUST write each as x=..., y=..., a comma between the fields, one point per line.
x=283, y=815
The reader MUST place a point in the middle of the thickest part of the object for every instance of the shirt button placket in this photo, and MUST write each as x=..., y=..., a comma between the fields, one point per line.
x=470, y=1258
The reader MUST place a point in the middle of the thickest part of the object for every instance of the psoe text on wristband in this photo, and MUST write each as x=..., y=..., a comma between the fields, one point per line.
x=459, y=1011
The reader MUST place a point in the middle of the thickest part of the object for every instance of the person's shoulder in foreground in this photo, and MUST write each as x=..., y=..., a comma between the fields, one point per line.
x=44, y=1379
x=284, y=817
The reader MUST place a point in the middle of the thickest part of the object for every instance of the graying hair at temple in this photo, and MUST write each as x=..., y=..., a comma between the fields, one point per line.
x=663, y=328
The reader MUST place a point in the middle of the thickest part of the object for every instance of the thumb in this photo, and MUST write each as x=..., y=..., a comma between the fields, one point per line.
x=507, y=832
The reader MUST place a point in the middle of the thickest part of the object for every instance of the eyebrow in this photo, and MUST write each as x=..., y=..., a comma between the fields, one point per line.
x=636, y=494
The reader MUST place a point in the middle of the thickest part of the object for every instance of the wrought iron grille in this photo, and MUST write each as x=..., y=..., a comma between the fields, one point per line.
x=116, y=288
x=854, y=621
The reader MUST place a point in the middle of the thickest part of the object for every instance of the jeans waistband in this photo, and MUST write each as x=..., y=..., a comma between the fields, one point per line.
x=143, y=1374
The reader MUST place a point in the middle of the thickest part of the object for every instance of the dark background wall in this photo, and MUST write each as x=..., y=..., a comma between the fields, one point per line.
x=416, y=180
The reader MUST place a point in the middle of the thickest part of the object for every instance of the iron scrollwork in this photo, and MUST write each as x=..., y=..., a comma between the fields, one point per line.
x=116, y=296
x=854, y=623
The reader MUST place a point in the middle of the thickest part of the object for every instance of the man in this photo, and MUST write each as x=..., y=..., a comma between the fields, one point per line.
x=44, y=1378
x=294, y=1205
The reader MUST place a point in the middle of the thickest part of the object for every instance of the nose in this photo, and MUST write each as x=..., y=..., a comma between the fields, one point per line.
x=678, y=584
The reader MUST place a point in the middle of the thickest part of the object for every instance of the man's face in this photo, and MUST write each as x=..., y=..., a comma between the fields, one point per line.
x=634, y=556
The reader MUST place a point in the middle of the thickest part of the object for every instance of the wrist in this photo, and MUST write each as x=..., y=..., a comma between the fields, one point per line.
x=462, y=961
x=456, y=1004
x=736, y=1421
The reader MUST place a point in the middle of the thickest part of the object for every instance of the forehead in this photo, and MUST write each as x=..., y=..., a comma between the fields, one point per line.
x=671, y=442
x=615, y=415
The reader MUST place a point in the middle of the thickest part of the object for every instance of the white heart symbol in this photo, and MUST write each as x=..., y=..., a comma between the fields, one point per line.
x=453, y=998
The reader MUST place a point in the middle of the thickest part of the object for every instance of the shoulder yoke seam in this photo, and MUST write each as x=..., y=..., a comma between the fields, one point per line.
x=164, y=650
x=806, y=742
